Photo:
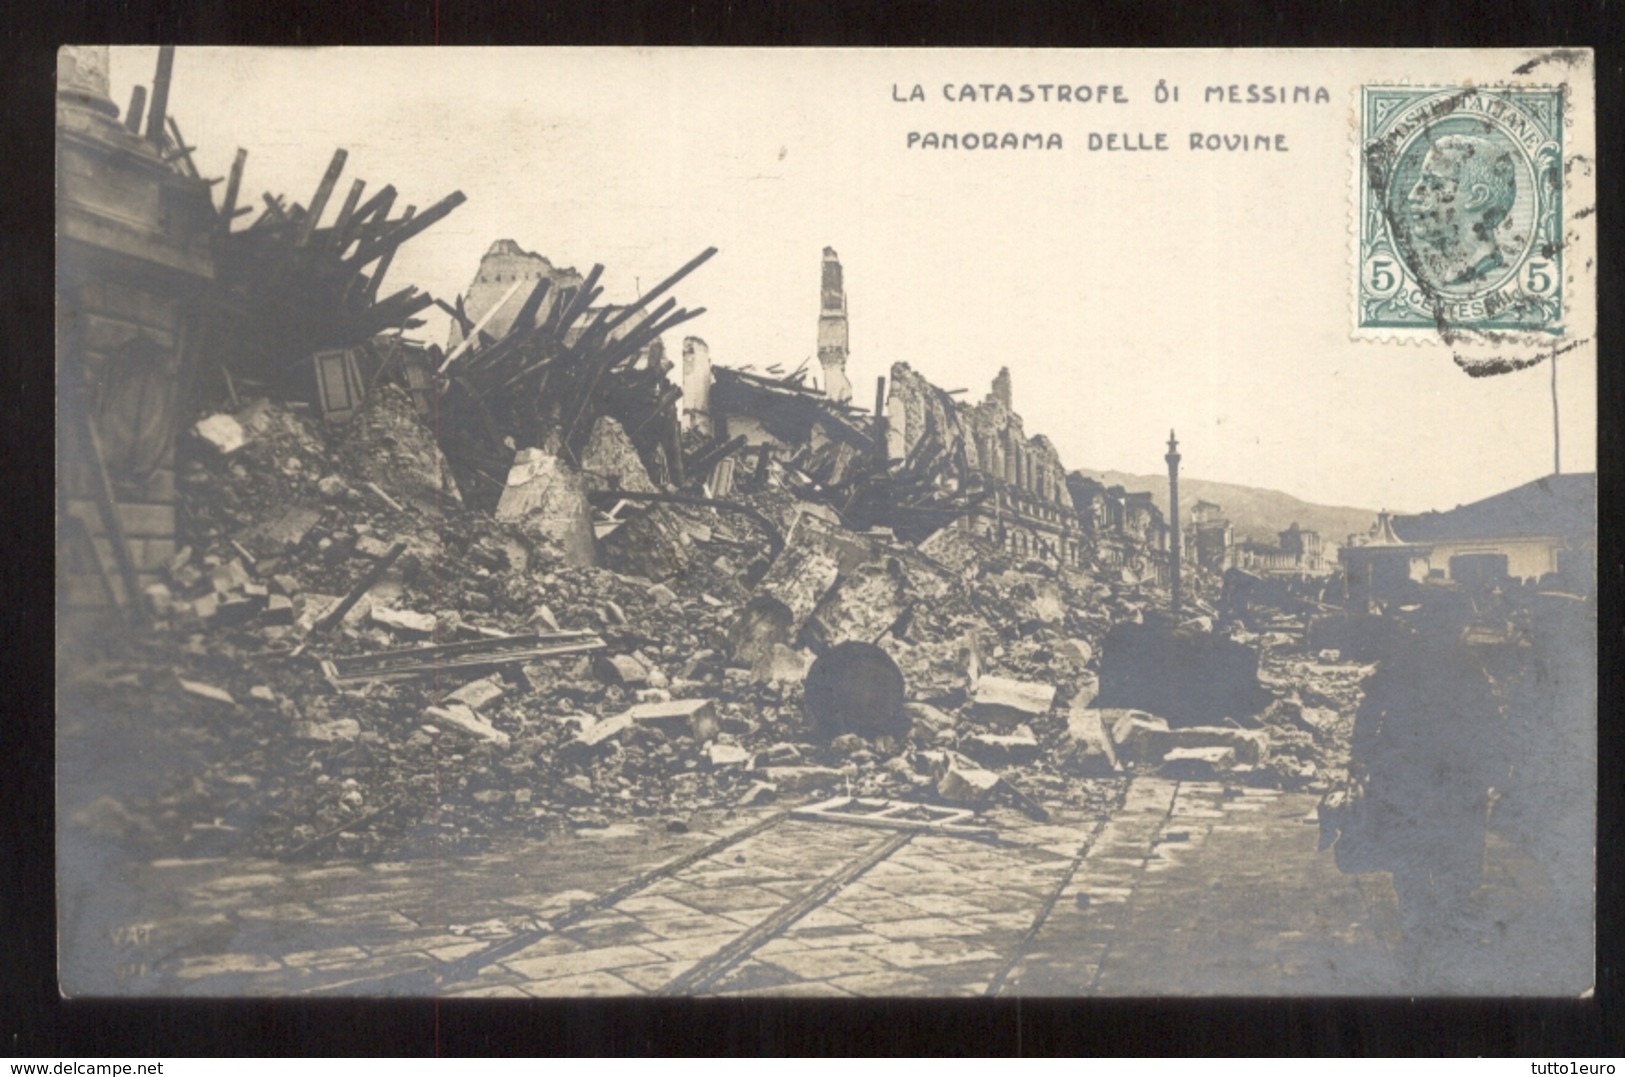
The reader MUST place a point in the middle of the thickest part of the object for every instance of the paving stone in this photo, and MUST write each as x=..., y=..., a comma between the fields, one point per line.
x=794, y=989
x=584, y=985
x=652, y=978
x=873, y=910
x=505, y=990
x=611, y=933
x=694, y=947
x=652, y=906
x=546, y=946
x=941, y=904
x=826, y=964
x=842, y=938
x=733, y=899
x=331, y=956
x=456, y=951
x=556, y=965
x=924, y=928
x=194, y=968
x=288, y=913
x=824, y=916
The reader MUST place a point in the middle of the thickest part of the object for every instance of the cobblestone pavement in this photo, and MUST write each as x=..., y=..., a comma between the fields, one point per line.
x=1190, y=888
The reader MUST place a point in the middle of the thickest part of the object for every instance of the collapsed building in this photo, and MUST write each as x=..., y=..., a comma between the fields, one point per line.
x=505, y=581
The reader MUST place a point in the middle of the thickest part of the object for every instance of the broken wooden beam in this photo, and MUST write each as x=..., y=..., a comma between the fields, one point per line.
x=160, y=94
x=367, y=583
x=234, y=182
x=324, y=191
x=438, y=658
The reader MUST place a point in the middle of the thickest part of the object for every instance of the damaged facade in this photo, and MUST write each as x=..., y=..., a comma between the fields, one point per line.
x=1027, y=509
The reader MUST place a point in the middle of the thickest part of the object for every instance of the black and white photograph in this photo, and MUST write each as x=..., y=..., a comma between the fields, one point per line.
x=560, y=523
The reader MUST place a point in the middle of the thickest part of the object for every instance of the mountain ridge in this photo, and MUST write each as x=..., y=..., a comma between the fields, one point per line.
x=1257, y=513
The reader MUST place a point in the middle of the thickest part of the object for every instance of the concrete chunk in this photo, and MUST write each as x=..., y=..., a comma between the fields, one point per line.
x=1198, y=764
x=1249, y=745
x=422, y=624
x=1002, y=749
x=620, y=669
x=478, y=694
x=461, y=718
x=230, y=576
x=599, y=732
x=797, y=779
x=223, y=433
x=967, y=785
x=696, y=717
x=339, y=729
x=547, y=497
x=206, y=691
x=1006, y=700
x=1137, y=736
x=1089, y=746
x=727, y=755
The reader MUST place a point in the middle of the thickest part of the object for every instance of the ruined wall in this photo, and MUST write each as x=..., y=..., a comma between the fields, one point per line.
x=504, y=264
x=134, y=263
x=832, y=329
x=1031, y=511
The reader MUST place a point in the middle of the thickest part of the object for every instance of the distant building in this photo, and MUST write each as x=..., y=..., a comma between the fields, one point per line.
x=1535, y=532
x=1210, y=536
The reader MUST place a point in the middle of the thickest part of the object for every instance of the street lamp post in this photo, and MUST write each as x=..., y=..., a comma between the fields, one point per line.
x=1173, y=512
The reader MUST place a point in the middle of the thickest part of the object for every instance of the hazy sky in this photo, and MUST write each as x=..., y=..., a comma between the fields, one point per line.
x=1127, y=292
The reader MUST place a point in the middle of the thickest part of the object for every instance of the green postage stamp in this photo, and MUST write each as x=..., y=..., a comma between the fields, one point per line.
x=1460, y=209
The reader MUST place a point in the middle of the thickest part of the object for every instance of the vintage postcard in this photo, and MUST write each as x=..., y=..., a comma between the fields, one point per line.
x=649, y=522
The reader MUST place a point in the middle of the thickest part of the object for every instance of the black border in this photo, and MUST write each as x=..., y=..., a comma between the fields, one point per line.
x=34, y=1022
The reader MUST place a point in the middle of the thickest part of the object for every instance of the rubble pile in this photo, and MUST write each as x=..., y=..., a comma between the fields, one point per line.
x=957, y=675
x=288, y=287
x=562, y=366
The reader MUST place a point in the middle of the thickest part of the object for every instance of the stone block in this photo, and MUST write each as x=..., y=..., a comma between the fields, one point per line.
x=727, y=755
x=1001, y=749
x=206, y=691
x=1198, y=764
x=230, y=576
x=547, y=497
x=478, y=694
x=1249, y=745
x=460, y=718
x=1138, y=737
x=967, y=785
x=610, y=461
x=372, y=546
x=1004, y=700
x=309, y=608
x=1089, y=747
x=800, y=779
x=599, y=732
x=421, y=624
x=337, y=730
x=223, y=433
x=620, y=669
x=284, y=533
x=928, y=725
x=695, y=717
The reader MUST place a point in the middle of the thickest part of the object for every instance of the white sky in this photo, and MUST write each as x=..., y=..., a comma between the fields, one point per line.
x=1128, y=293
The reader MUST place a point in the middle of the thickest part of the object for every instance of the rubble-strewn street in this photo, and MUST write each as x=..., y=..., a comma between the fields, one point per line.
x=553, y=660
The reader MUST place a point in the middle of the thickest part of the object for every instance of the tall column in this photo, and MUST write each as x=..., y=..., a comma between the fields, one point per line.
x=832, y=330
x=1173, y=512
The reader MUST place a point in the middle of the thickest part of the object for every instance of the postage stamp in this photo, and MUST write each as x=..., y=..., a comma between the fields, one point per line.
x=1460, y=209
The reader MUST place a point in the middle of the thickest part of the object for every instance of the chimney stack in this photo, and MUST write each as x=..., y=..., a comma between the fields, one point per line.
x=832, y=330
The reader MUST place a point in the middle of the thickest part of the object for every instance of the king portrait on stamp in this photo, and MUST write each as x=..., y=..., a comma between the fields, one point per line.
x=1460, y=209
